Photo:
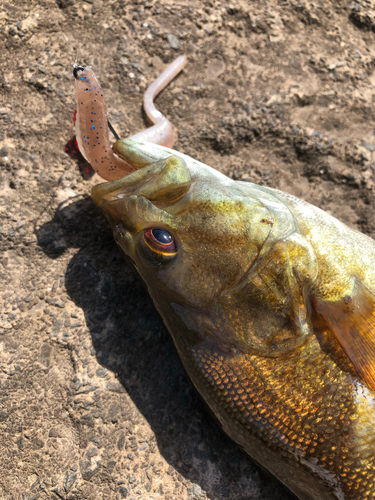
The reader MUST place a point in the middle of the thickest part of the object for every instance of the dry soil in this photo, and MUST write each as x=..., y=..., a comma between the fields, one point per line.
x=93, y=401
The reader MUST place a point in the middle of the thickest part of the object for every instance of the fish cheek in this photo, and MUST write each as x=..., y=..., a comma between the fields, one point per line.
x=202, y=273
x=269, y=311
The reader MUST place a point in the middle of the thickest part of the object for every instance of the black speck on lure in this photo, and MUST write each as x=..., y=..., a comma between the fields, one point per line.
x=269, y=300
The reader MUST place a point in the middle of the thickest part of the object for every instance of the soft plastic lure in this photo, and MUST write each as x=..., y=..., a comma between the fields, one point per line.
x=92, y=130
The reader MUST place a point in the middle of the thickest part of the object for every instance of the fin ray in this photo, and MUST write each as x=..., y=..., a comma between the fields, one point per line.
x=352, y=321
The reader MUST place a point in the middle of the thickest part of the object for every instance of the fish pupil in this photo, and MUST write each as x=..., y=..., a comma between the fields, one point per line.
x=162, y=236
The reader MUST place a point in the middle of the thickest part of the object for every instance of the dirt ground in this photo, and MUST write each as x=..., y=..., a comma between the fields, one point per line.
x=93, y=402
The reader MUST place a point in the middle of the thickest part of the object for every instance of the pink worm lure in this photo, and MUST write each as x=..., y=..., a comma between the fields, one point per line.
x=92, y=121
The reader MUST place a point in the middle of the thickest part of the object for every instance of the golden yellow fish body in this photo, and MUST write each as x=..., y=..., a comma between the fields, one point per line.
x=270, y=303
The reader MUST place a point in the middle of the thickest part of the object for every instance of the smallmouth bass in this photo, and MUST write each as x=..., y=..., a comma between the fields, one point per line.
x=270, y=304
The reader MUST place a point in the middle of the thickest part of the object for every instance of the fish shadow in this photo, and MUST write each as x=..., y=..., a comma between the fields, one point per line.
x=129, y=339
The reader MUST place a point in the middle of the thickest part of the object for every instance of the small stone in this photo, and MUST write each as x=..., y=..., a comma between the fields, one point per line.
x=76, y=385
x=92, y=452
x=115, y=387
x=88, y=469
x=37, y=443
x=57, y=326
x=335, y=65
x=196, y=490
x=370, y=147
x=173, y=41
x=111, y=464
x=55, y=302
x=215, y=68
x=123, y=492
x=101, y=372
x=69, y=480
x=63, y=4
x=87, y=389
x=12, y=31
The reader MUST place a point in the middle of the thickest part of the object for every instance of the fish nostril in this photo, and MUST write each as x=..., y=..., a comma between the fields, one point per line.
x=121, y=229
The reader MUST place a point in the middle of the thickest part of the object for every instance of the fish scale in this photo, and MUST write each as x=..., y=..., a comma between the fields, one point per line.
x=298, y=425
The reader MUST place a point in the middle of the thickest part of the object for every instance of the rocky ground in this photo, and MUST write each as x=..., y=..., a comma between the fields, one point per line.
x=93, y=401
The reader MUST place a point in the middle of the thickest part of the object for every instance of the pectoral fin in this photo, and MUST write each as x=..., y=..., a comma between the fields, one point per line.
x=352, y=321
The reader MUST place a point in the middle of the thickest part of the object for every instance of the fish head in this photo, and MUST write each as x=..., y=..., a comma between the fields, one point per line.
x=192, y=234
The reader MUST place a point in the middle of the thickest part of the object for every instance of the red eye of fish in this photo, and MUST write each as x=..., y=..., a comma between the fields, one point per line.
x=159, y=245
x=160, y=240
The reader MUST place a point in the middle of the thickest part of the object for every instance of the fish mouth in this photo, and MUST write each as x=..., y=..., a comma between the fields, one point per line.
x=100, y=192
x=122, y=187
x=162, y=182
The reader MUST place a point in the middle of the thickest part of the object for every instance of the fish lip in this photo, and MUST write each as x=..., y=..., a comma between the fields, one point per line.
x=107, y=192
x=99, y=191
x=104, y=190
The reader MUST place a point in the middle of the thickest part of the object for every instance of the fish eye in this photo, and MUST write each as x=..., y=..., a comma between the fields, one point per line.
x=159, y=245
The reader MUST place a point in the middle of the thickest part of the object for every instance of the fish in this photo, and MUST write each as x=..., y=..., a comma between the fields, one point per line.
x=270, y=303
